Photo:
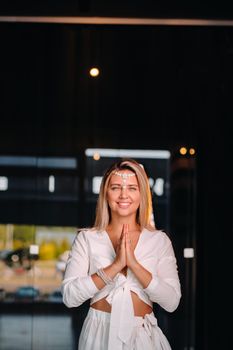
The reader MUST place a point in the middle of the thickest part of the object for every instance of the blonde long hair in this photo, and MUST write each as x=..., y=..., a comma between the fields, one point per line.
x=144, y=214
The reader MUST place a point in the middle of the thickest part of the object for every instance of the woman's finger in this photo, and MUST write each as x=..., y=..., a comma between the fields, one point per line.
x=125, y=229
x=128, y=240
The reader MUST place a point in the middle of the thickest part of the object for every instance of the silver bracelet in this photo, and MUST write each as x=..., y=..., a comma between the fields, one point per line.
x=104, y=277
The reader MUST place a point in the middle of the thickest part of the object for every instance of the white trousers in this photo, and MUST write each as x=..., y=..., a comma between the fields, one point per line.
x=146, y=335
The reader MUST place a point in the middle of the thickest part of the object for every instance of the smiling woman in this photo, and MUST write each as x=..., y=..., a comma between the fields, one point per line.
x=123, y=193
x=124, y=265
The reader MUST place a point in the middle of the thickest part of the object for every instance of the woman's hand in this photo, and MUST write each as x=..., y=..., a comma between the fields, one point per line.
x=120, y=260
x=124, y=252
x=130, y=257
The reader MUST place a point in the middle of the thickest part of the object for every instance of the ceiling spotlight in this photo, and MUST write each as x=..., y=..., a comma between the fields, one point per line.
x=192, y=151
x=183, y=150
x=94, y=72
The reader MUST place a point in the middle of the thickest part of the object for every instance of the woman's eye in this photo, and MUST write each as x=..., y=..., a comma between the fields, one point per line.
x=133, y=189
x=117, y=188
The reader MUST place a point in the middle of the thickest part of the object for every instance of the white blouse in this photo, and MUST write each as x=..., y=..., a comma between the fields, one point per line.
x=92, y=250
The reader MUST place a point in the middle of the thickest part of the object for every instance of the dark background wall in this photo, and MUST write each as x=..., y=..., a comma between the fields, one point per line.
x=160, y=87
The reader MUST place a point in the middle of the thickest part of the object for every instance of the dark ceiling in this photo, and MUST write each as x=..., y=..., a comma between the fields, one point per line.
x=120, y=8
x=173, y=83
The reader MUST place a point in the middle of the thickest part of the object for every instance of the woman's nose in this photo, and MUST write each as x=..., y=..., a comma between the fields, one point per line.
x=124, y=192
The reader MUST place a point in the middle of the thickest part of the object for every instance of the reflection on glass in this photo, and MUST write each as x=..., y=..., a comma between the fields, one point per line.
x=32, y=262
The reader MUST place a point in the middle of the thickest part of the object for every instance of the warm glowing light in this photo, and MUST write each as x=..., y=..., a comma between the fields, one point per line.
x=183, y=150
x=96, y=156
x=192, y=151
x=94, y=72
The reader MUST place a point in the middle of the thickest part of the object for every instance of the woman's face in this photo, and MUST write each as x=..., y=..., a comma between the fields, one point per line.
x=123, y=194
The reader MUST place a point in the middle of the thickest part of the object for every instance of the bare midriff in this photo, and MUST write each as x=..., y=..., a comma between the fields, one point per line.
x=140, y=308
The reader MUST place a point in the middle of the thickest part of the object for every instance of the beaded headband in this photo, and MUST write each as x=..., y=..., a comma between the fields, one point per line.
x=124, y=176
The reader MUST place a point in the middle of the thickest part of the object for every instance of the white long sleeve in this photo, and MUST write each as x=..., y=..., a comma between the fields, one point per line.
x=164, y=288
x=77, y=285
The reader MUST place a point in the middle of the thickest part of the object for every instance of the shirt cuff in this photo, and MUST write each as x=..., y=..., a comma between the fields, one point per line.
x=89, y=286
x=151, y=286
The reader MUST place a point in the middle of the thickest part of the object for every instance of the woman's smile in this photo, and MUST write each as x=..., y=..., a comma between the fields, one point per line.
x=124, y=205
